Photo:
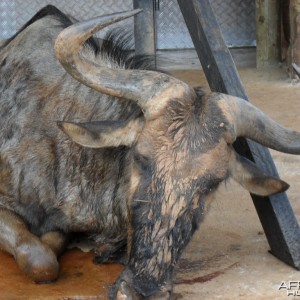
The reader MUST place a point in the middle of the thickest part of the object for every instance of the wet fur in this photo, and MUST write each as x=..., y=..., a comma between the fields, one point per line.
x=45, y=178
x=168, y=204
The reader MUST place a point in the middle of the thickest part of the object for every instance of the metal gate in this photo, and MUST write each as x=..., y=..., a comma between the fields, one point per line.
x=236, y=18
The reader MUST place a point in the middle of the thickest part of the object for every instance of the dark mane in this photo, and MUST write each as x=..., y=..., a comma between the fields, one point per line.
x=118, y=46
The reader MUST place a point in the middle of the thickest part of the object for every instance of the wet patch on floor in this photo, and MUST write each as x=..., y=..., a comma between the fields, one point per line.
x=205, y=278
x=79, y=279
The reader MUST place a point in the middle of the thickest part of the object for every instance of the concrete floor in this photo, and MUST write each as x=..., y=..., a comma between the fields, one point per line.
x=228, y=257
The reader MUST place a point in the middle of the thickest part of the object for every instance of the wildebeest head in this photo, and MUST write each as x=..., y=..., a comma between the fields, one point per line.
x=181, y=146
x=182, y=135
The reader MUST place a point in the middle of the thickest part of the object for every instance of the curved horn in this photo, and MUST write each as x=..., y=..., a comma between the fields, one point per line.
x=252, y=123
x=149, y=89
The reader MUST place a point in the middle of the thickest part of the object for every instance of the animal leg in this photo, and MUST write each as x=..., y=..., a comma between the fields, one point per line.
x=34, y=258
x=56, y=240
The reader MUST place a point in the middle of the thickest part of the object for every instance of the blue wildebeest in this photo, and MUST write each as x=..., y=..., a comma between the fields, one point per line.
x=91, y=143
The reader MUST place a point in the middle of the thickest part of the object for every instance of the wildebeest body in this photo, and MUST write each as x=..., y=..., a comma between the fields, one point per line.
x=47, y=179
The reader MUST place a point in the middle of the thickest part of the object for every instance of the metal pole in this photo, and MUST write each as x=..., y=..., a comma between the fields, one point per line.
x=144, y=28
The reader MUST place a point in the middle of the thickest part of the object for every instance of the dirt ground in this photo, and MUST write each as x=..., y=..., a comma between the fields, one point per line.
x=228, y=257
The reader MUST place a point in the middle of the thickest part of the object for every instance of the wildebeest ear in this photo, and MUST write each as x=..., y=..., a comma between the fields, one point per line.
x=253, y=179
x=100, y=134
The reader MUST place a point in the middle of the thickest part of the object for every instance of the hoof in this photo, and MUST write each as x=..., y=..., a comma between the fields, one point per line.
x=37, y=261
